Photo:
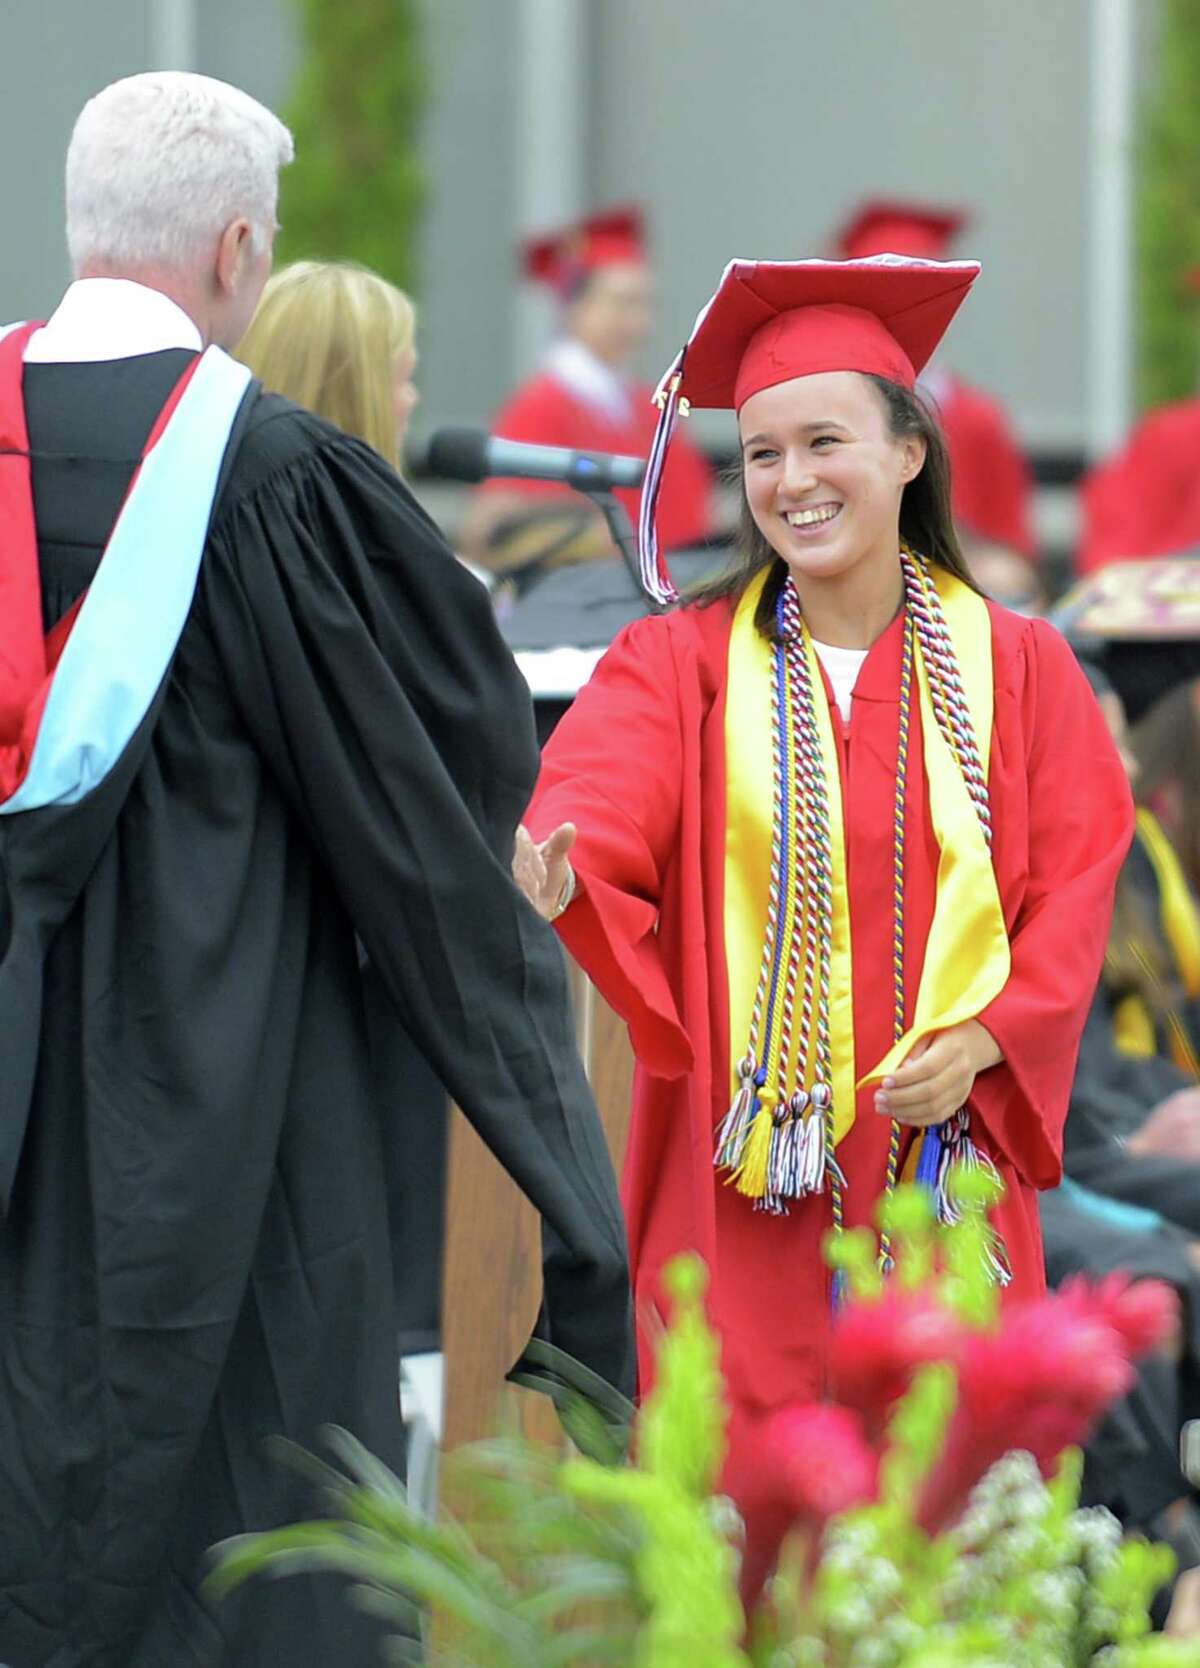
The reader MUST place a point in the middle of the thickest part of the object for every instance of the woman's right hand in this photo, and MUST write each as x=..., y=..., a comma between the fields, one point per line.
x=543, y=871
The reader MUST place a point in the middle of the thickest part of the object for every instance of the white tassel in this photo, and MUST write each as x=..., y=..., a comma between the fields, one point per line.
x=959, y=1152
x=735, y=1125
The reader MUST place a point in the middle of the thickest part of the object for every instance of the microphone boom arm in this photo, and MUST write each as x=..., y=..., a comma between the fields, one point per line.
x=621, y=530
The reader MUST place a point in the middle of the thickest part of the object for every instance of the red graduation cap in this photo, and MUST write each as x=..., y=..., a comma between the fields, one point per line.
x=772, y=321
x=614, y=237
x=886, y=226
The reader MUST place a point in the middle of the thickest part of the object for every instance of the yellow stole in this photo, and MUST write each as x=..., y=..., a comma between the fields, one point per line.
x=1135, y=1029
x=967, y=957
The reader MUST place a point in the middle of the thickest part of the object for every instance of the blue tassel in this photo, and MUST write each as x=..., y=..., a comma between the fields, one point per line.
x=930, y=1160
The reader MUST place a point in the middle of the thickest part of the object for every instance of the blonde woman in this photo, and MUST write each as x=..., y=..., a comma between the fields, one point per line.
x=338, y=339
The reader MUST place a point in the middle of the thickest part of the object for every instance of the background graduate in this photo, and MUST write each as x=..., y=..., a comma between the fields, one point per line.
x=251, y=712
x=991, y=481
x=1144, y=498
x=838, y=839
x=585, y=394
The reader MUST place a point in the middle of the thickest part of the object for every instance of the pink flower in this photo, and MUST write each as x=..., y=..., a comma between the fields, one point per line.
x=792, y=1470
x=820, y=1460
x=1144, y=1313
x=1039, y=1384
x=877, y=1347
x=1048, y=1352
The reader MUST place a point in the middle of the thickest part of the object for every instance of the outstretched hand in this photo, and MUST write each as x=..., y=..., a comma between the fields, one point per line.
x=542, y=871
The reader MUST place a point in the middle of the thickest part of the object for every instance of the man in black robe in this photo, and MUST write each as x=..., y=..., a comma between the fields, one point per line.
x=194, y=1249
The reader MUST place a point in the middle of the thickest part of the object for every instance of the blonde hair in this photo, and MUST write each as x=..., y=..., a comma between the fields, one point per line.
x=326, y=335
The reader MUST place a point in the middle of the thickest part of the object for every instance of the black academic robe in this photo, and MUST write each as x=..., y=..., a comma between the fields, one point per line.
x=1111, y=1098
x=195, y=1255
x=1131, y=1460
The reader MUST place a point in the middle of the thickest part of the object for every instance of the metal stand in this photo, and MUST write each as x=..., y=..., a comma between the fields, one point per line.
x=621, y=529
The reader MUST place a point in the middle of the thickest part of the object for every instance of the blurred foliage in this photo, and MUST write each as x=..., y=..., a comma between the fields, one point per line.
x=541, y=1561
x=1168, y=212
x=356, y=188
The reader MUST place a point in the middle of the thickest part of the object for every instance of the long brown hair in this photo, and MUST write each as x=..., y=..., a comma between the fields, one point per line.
x=926, y=523
x=1166, y=744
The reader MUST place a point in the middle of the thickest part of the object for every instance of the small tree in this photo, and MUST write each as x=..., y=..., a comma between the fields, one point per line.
x=356, y=188
x=1168, y=212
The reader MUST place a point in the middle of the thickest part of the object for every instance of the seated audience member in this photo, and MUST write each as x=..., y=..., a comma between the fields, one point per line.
x=1166, y=746
x=1132, y=1465
x=1133, y=1129
x=1133, y=1106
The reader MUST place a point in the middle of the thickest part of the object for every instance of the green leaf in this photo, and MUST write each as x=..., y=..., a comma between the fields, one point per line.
x=356, y=188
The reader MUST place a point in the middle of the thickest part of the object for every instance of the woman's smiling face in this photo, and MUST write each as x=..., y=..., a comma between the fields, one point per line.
x=824, y=475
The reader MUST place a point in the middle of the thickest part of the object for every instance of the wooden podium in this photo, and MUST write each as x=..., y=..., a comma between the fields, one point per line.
x=492, y=1273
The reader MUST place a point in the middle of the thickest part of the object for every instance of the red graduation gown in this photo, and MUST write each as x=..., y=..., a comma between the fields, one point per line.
x=1145, y=499
x=638, y=764
x=991, y=481
x=545, y=412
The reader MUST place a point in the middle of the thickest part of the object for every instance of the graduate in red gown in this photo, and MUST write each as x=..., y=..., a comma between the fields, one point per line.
x=583, y=395
x=1145, y=499
x=841, y=761
x=992, y=482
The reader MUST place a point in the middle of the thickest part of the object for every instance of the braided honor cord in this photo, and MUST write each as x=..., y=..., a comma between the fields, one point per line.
x=778, y=1146
x=949, y=1145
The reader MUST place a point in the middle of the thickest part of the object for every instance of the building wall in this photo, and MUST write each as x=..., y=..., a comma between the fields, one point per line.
x=771, y=120
x=748, y=128
x=54, y=54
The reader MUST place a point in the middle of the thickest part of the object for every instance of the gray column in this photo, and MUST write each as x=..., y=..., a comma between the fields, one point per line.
x=548, y=151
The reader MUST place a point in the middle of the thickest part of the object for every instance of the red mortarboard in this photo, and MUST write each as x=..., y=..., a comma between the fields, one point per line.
x=611, y=238
x=772, y=321
x=884, y=226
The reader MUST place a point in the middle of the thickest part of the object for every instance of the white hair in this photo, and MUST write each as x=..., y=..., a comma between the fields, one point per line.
x=158, y=166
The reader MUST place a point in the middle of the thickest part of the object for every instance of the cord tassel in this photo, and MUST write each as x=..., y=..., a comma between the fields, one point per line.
x=948, y=1150
x=655, y=575
x=750, y=1177
x=735, y=1126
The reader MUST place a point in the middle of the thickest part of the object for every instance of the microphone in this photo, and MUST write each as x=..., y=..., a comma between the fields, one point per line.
x=473, y=454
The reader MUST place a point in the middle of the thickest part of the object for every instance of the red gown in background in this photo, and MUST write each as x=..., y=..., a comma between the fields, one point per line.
x=546, y=412
x=991, y=481
x=1145, y=500
x=638, y=764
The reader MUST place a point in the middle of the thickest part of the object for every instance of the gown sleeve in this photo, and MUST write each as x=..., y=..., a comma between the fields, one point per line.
x=613, y=767
x=366, y=663
x=1080, y=824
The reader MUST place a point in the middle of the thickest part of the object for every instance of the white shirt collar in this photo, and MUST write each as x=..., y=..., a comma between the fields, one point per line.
x=590, y=379
x=110, y=318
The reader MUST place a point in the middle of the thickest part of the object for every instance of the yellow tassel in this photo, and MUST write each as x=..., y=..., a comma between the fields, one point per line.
x=750, y=1177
